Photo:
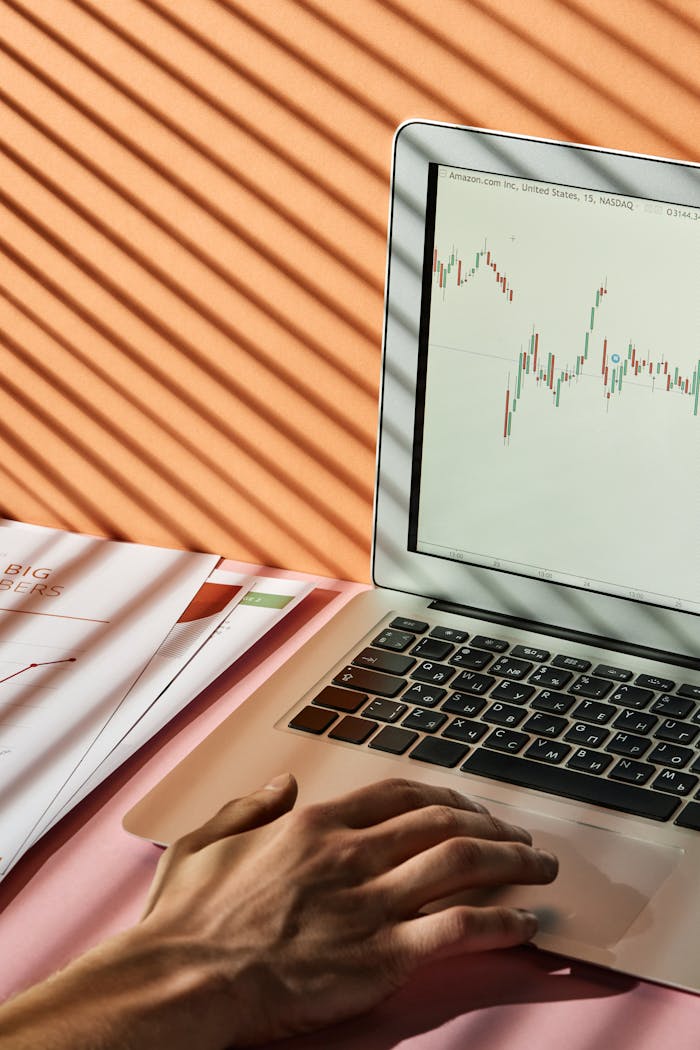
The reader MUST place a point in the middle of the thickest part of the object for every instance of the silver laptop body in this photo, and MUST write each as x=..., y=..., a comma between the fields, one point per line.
x=533, y=636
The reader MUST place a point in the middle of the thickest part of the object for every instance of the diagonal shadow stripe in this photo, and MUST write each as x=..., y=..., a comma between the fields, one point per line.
x=236, y=119
x=645, y=55
x=118, y=479
x=680, y=16
x=366, y=160
x=20, y=483
x=189, y=189
x=255, y=452
x=218, y=374
x=43, y=464
x=467, y=58
x=194, y=249
x=618, y=103
x=266, y=509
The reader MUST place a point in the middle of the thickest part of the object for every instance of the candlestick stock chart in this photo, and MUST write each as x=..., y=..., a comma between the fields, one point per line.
x=563, y=380
x=553, y=372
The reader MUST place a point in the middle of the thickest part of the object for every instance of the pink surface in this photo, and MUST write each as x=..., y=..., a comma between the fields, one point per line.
x=88, y=878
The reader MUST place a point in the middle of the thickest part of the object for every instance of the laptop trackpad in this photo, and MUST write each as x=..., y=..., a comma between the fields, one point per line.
x=605, y=879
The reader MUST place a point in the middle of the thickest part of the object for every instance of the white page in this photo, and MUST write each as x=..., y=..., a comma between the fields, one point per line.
x=80, y=617
x=265, y=605
x=214, y=601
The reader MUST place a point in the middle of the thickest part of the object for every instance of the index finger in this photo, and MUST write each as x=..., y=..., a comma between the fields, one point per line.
x=385, y=799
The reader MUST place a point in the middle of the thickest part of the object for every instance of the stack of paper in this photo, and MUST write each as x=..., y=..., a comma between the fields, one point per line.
x=97, y=655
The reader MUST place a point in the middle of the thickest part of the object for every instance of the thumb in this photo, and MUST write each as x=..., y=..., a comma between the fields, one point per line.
x=243, y=814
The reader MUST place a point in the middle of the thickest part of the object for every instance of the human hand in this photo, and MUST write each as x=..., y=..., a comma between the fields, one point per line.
x=321, y=918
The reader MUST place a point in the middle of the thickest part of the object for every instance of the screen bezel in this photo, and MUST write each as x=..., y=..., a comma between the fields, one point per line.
x=394, y=566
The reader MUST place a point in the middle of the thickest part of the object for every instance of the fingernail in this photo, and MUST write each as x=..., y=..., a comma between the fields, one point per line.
x=549, y=857
x=528, y=916
x=278, y=783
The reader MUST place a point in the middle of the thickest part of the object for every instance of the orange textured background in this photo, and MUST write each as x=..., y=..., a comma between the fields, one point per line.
x=193, y=201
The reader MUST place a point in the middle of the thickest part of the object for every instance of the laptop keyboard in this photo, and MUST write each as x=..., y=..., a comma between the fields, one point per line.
x=594, y=732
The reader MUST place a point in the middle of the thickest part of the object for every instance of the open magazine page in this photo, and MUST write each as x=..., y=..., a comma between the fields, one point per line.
x=264, y=605
x=208, y=609
x=80, y=617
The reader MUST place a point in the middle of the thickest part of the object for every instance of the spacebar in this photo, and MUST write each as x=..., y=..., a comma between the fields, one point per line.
x=579, y=786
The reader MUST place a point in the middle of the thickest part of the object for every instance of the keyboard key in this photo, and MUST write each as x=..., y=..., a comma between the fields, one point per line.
x=463, y=704
x=588, y=736
x=436, y=674
x=675, y=781
x=670, y=755
x=313, y=720
x=636, y=722
x=589, y=761
x=552, y=751
x=527, y=652
x=425, y=721
x=617, y=674
x=548, y=700
x=369, y=681
x=474, y=658
x=473, y=682
x=509, y=668
x=689, y=817
x=572, y=663
x=385, y=710
x=449, y=634
x=403, y=623
x=396, y=640
x=504, y=715
x=632, y=772
x=552, y=677
x=380, y=660
x=340, y=699
x=677, y=732
x=541, y=724
x=649, y=681
x=439, y=752
x=571, y=784
x=466, y=730
x=695, y=768
x=595, y=688
x=631, y=696
x=507, y=740
x=393, y=740
x=432, y=649
x=590, y=711
x=494, y=645
x=673, y=706
x=353, y=730
x=691, y=691
x=423, y=694
x=629, y=745
x=513, y=692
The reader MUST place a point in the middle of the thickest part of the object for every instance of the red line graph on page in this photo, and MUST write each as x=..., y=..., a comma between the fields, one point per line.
x=42, y=663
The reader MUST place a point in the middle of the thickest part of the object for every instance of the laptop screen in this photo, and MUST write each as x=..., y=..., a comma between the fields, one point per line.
x=557, y=416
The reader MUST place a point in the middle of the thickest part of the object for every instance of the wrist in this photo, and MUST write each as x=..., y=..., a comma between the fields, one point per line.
x=167, y=987
x=134, y=990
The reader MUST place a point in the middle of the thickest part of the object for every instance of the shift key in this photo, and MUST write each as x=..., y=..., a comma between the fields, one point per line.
x=369, y=681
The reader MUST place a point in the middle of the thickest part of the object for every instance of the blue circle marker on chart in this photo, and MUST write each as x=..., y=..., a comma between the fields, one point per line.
x=615, y=358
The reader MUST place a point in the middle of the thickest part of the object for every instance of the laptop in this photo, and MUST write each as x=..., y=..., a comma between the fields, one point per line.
x=533, y=635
